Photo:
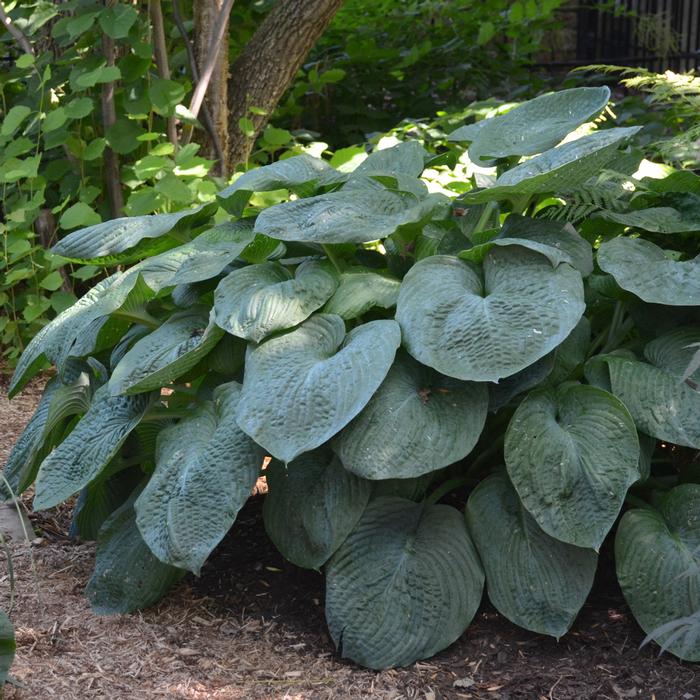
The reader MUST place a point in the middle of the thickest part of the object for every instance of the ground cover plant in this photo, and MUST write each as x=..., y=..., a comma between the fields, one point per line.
x=513, y=318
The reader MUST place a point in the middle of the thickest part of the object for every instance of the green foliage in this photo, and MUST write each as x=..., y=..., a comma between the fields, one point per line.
x=53, y=140
x=388, y=341
x=381, y=58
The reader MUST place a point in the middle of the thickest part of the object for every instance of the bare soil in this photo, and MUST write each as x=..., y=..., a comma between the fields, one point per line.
x=252, y=627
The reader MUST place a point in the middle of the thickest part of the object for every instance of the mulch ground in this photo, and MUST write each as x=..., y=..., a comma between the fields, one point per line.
x=252, y=627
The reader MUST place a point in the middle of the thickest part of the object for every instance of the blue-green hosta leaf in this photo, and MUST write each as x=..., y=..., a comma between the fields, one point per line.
x=52, y=339
x=209, y=253
x=407, y=158
x=89, y=447
x=560, y=235
x=654, y=219
x=255, y=301
x=682, y=216
x=483, y=324
x=414, y=489
x=299, y=172
x=206, y=468
x=674, y=352
x=642, y=268
x=661, y=404
x=168, y=352
x=127, y=575
x=571, y=455
x=534, y=126
x=361, y=290
x=647, y=445
x=657, y=556
x=312, y=506
x=26, y=455
x=79, y=329
x=201, y=259
x=477, y=254
x=62, y=398
x=571, y=354
x=404, y=585
x=520, y=382
x=126, y=342
x=562, y=169
x=125, y=240
x=7, y=646
x=357, y=215
x=101, y=497
x=417, y=422
x=533, y=579
x=303, y=387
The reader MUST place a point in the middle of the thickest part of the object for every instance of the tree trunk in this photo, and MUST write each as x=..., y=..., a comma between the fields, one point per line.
x=206, y=15
x=269, y=61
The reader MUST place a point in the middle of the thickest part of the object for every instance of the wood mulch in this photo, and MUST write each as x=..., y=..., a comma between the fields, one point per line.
x=252, y=627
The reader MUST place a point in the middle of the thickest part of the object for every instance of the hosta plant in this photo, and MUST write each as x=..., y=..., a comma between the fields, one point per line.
x=457, y=394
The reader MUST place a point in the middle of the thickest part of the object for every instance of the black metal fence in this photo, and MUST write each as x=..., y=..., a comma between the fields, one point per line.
x=656, y=34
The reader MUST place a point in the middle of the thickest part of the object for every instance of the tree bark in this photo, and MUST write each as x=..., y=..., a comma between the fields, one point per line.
x=268, y=63
x=206, y=15
x=161, y=56
x=109, y=117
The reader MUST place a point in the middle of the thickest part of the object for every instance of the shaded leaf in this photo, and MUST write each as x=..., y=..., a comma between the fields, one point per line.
x=417, y=421
x=642, y=268
x=89, y=447
x=127, y=576
x=404, y=585
x=312, y=505
x=533, y=579
x=657, y=555
x=206, y=468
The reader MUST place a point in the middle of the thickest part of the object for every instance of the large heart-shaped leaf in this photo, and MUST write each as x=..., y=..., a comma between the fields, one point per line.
x=642, y=268
x=255, y=301
x=657, y=556
x=165, y=354
x=125, y=240
x=534, y=126
x=359, y=291
x=127, y=576
x=312, y=505
x=562, y=169
x=485, y=323
x=7, y=646
x=417, y=422
x=535, y=580
x=299, y=172
x=303, y=387
x=404, y=585
x=661, y=404
x=571, y=455
x=206, y=467
x=89, y=447
x=355, y=215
